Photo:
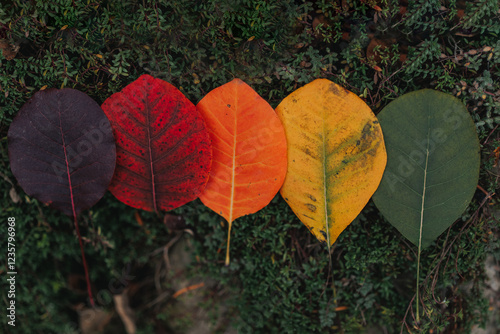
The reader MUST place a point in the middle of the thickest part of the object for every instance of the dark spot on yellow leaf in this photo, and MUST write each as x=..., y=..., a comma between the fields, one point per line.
x=366, y=129
x=311, y=197
x=338, y=90
x=373, y=150
x=308, y=152
x=311, y=207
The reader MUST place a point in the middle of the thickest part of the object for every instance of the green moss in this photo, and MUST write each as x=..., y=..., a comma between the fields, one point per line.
x=280, y=279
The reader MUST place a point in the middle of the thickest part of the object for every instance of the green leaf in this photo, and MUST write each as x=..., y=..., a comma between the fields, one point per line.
x=432, y=164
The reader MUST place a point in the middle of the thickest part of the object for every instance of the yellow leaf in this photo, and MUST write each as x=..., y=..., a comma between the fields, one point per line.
x=43, y=87
x=336, y=156
x=251, y=38
x=98, y=56
x=64, y=27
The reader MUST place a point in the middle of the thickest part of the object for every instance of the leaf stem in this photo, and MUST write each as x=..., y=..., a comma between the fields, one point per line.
x=228, y=243
x=89, y=290
x=418, y=284
x=68, y=173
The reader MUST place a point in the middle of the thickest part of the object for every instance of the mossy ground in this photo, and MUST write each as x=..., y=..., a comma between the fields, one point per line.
x=280, y=279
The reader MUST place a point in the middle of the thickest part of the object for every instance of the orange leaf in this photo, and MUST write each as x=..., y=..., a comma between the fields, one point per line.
x=249, y=151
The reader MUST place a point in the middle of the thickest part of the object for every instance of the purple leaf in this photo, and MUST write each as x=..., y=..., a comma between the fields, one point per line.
x=62, y=150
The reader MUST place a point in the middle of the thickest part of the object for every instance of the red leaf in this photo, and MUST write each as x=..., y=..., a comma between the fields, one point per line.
x=62, y=150
x=163, y=148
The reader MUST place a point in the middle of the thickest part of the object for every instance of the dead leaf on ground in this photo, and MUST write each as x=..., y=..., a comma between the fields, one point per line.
x=125, y=312
x=188, y=288
x=9, y=50
x=14, y=196
x=93, y=320
x=497, y=156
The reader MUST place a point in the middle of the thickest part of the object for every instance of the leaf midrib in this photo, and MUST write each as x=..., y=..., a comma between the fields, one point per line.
x=233, y=168
x=422, y=215
x=66, y=161
x=424, y=187
x=325, y=193
x=148, y=130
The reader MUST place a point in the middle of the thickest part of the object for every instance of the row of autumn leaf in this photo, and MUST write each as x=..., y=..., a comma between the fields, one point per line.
x=322, y=148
